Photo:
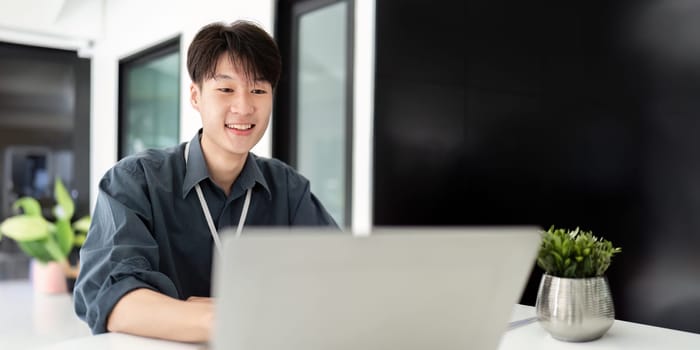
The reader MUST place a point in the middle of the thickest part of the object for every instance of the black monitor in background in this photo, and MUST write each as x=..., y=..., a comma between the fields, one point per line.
x=30, y=171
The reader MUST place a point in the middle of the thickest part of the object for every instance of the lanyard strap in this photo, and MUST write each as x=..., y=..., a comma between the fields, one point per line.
x=207, y=214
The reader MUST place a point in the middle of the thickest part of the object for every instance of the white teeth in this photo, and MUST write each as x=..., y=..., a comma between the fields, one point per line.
x=239, y=126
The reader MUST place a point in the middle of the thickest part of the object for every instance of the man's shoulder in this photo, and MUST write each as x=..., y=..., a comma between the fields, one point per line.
x=275, y=169
x=151, y=159
x=273, y=166
x=271, y=163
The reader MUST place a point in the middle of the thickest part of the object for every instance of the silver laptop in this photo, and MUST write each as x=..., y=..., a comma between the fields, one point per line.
x=398, y=288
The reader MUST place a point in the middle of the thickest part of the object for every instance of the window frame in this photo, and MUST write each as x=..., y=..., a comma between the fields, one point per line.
x=285, y=118
x=138, y=59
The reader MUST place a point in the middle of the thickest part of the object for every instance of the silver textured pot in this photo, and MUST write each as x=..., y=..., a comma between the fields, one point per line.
x=575, y=309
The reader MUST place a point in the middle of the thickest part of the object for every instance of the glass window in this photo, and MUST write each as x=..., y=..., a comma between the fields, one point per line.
x=149, y=114
x=322, y=105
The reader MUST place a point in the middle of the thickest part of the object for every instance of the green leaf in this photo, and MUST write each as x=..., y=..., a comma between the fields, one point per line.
x=64, y=236
x=557, y=257
x=36, y=249
x=82, y=224
x=566, y=247
x=65, y=207
x=25, y=228
x=29, y=205
x=79, y=239
x=570, y=272
x=574, y=253
x=54, y=250
x=556, y=243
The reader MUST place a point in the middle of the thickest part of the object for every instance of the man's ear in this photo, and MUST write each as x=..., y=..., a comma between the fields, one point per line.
x=194, y=96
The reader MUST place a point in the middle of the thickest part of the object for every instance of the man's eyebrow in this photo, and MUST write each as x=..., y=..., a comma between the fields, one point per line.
x=222, y=76
x=228, y=77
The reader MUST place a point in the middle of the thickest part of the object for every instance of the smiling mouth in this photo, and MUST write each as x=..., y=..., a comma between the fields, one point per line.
x=241, y=127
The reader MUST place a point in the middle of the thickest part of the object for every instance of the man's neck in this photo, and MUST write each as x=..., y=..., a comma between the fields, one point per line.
x=223, y=167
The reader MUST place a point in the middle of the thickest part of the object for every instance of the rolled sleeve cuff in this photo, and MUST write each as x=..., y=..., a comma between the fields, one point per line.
x=123, y=279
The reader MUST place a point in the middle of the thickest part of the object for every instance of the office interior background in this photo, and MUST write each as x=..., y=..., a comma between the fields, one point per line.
x=431, y=113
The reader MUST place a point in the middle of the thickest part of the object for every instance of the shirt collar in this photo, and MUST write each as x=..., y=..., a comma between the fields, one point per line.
x=196, y=171
x=249, y=176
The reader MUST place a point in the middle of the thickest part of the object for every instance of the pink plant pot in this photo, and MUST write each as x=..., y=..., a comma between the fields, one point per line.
x=47, y=278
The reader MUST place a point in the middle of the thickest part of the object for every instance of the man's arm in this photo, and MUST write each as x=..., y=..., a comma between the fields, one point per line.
x=308, y=209
x=148, y=313
x=120, y=280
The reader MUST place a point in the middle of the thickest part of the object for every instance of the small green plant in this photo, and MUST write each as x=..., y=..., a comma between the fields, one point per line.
x=574, y=253
x=41, y=239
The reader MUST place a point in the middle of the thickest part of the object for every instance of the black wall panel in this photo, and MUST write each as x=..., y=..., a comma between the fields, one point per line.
x=497, y=112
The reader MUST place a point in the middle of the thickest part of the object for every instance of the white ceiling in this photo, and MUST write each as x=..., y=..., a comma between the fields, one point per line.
x=68, y=24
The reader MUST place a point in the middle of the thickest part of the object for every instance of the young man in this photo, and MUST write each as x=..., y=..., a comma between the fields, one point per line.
x=146, y=263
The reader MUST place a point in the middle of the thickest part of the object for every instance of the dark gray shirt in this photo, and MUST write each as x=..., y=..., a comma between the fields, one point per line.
x=149, y=231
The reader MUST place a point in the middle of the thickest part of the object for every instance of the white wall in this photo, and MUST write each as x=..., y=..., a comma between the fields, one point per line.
x=363, y=120
x=130, y=26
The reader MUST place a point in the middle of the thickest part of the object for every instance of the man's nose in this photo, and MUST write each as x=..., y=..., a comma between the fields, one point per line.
x=242, y=104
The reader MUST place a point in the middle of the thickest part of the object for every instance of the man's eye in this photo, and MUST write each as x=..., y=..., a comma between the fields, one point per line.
x=227, y=90
x=259, y=91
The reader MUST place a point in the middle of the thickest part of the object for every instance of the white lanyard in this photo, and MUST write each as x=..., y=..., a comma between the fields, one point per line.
x=207, y=214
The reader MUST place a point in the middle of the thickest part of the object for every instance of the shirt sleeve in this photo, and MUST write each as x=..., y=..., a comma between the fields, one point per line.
x=120, y=253
x=308, y=210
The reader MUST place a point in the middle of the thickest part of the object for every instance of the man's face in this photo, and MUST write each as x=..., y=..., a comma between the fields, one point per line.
x=235, y=112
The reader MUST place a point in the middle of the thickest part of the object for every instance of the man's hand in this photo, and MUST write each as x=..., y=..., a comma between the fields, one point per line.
x=151, y=314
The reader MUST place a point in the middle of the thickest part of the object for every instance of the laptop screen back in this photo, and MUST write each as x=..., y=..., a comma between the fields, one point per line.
x=399, y=288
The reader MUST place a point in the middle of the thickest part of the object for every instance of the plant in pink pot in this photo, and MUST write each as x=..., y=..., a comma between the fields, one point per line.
x=49, y=244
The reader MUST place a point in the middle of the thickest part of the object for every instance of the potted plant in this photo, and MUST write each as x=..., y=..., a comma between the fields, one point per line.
x=49, y=244
x=574, y=301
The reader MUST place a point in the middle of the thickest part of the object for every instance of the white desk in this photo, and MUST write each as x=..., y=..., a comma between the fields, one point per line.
x=622, y=335
x=30, y=320
x=34, y=321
